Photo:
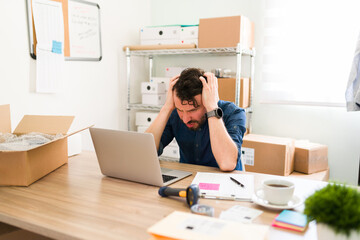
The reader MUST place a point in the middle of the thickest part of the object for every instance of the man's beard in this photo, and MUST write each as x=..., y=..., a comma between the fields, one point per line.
x=197, y=123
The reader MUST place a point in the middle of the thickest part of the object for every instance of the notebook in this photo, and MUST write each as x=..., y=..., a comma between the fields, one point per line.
x=221, y=186
x=292, y=220
x=131, y=156
x=184, y=225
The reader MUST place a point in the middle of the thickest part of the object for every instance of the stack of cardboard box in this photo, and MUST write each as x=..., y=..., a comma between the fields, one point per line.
x=282, y=156
x=144, y=120
x=153, y=93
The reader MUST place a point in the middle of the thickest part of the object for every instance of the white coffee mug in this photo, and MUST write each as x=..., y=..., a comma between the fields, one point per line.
x=278, y=191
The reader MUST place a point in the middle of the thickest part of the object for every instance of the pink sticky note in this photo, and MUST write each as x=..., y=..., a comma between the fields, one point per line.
x=209, y=186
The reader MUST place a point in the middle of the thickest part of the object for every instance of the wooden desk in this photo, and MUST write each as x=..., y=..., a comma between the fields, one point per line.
x=77, y=202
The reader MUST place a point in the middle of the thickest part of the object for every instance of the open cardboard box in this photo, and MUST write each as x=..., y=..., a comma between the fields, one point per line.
x=21, y=168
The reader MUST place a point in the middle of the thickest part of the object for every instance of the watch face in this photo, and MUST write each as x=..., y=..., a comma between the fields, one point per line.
x=219, y=112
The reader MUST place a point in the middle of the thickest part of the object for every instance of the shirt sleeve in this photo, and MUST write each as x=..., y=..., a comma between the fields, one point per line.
x=167, y=136
x=235, y=126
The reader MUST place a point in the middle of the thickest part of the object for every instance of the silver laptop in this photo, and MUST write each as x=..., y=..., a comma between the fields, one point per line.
x=131, y=156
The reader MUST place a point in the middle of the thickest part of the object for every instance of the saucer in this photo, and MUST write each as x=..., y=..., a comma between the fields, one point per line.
x=258, y=198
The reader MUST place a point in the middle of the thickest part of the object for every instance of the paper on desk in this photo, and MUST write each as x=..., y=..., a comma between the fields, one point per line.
x=49, y=27
x=219, y=185
x=181, y=225
x=240, y=214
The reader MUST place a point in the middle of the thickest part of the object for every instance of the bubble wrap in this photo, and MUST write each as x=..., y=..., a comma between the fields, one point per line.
x=12, y=142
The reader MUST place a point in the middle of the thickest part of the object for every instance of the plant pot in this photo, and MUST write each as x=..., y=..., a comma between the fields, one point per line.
x=324, y=232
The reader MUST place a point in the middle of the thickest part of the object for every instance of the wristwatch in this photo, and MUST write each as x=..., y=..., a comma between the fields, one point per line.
x=217, y=112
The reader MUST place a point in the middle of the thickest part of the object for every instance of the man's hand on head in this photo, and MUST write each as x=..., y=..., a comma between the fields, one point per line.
x=169, y=103
x=210, y=94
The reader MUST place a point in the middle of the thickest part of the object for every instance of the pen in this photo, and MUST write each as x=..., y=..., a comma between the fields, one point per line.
x=237, y=182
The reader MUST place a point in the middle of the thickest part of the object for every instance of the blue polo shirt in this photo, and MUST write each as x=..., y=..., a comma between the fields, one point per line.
x=195, y=147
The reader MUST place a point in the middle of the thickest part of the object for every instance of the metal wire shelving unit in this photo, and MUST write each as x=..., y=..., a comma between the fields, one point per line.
x=237, y=51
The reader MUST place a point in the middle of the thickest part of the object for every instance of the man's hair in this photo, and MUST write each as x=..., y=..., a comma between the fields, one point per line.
x=189, y=85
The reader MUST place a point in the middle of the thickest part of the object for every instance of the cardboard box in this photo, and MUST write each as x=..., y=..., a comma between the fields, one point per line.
x=173, y=71
x=191, y=32
x=310, y=157
x=190, y=41
x=153, y=87
x=169, y=35
x=160, y=42
x=227, y=88
x=145, y=118
x=226, y=32
x=171, y=151
x=21, y=168
x=268, y=154
x=319, y=176
x=160, y=35
x=165, y=80
x=142, y=129
x=153, y=99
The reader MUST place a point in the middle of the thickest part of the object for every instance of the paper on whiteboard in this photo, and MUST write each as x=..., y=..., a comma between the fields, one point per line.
x=84, y=30
x=49, y=28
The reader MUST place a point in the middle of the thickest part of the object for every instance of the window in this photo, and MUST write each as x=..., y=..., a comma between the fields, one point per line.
x=308, y=50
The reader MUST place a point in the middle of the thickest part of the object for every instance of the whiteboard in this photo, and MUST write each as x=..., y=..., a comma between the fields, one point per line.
x=84, y=31
x=82, y=35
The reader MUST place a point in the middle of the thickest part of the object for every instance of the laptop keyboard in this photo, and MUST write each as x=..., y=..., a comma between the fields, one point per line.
x=167, y=178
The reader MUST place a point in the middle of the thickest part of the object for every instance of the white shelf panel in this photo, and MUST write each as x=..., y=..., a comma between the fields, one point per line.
x=139, y=106
x=216, y=51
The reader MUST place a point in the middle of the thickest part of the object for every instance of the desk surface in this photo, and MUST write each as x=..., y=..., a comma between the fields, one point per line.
x=77, y=202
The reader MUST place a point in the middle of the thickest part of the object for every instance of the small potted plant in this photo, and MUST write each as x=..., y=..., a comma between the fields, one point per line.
x=336, y=209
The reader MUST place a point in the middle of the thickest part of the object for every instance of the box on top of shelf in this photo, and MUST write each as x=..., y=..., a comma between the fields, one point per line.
x=268, y=154
x=173, y=34
x=226, y=32
x=21, y=168
x=189, y=32
x=159, y=34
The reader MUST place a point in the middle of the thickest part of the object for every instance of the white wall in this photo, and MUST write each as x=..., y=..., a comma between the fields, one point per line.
x=95, y=92
x=332, y=126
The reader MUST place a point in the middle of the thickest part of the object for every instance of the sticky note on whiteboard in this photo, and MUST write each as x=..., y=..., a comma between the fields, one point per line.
x=56, y=47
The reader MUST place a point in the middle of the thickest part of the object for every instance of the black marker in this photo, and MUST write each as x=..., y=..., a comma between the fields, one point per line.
x=237, y=182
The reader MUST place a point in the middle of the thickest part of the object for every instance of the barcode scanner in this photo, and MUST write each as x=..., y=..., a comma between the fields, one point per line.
x=191, y=193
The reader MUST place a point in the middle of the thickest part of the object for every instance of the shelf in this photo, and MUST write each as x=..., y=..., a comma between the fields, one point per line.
x=216, y=51
x=151, y=51
x=139, y=106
